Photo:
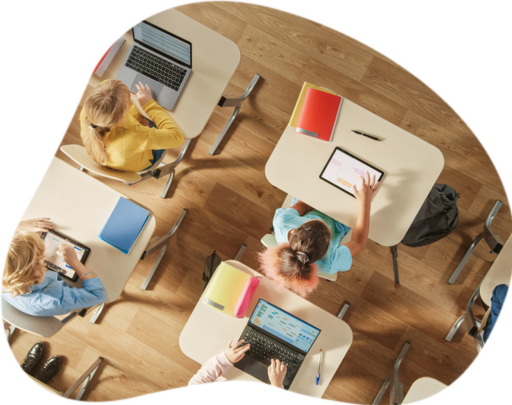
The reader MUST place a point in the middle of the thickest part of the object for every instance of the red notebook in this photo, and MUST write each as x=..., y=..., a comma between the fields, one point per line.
x=319, y=114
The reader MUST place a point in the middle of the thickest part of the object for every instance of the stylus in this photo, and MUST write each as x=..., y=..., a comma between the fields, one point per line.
x=319, y=366
x=368, y=136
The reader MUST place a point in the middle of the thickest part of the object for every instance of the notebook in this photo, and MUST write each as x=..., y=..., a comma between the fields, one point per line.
x=300, y=102
x=319, y=114
x=124, y=225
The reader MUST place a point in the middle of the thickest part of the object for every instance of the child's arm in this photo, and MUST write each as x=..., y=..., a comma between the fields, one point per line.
x=302, y=208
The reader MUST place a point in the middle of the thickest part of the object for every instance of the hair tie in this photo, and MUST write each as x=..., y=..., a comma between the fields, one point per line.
x=94, y=126
x=302, y=256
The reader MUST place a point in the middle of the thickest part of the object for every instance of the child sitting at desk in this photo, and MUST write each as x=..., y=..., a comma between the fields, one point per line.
x=116, y=135
x=213, y=369
x=309, y=241
x=27, y=284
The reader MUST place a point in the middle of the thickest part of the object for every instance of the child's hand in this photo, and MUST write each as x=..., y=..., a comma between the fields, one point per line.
x=368, y=187
x=143, y=93
x=68, y=254
x=276, y=373
x=235, y=353
x=35, y=225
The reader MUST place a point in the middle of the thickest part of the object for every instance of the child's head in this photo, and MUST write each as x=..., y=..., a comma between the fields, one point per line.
x=104, y=108
x=291, y=264
x=24, y=265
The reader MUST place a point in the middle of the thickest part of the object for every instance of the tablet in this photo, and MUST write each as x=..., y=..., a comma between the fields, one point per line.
x=55, y=262
x=343, y=170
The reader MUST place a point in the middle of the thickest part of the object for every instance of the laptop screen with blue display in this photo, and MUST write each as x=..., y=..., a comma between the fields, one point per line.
x=284, y=326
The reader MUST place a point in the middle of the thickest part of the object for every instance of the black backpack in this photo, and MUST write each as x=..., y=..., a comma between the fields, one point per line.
x=210, y=265
x=437, y=217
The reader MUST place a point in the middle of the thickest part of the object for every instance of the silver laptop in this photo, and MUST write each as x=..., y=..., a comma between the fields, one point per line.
x=159, y=59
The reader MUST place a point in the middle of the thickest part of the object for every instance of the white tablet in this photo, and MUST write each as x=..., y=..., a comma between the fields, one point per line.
x=343, y=170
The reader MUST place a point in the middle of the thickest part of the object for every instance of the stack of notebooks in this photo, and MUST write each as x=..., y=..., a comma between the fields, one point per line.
x=107, y=59
x=124, y=225
x=316, y=112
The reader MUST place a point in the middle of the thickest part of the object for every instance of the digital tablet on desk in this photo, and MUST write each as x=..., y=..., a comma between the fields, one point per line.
x=343, y=170
x=55, y=262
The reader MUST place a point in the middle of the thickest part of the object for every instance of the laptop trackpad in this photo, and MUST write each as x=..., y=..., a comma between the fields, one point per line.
x=254, y=368
x=155, y=87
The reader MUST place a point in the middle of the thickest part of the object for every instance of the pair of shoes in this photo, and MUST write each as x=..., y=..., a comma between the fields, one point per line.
x=50, y=368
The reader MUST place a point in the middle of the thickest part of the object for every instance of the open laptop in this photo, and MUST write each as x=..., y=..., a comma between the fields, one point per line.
x=275, y=334
x=159, y=59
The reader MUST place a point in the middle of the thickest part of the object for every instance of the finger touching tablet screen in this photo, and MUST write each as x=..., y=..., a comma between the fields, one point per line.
x=344, y=170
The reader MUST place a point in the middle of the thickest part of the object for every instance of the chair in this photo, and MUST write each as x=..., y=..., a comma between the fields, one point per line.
x=492, y=239
x=79, y=155
x=396, y=394
x=44, y=326
x=85, y=378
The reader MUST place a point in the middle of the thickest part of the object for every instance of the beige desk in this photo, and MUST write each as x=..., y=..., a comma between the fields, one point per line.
x=423, y=388
x=206, y=323
x=411, y=167
x=214, y=60
x=79, y=206
x=499, y=273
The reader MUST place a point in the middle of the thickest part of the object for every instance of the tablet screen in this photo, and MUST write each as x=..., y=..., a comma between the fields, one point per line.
x=54, y=261
x=343, y=170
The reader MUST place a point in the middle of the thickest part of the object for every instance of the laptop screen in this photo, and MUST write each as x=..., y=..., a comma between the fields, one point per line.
x=284, y=325
x=163, y=42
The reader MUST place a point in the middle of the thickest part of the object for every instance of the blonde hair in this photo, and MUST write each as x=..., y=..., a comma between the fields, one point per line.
x=22, y=266
x=104, y=108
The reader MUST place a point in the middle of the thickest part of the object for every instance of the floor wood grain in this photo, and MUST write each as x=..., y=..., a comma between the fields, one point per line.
x=230, y=203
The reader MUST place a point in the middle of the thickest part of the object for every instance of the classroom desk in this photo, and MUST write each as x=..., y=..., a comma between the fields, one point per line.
x=78, y=206
x=499, y=273
x=214, y=60
x=423, y=388
x=208, y=332
x=411, y=167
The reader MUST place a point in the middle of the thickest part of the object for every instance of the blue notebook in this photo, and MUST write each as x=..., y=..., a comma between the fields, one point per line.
x=124, y=225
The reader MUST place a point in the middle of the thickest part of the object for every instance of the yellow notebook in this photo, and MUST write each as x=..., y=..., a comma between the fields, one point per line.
x=225, y=288
x=300, y=102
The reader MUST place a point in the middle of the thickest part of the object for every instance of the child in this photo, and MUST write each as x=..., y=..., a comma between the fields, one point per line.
x=309, y=241
x=116, y=135
x=214, y=368
x=28, y=286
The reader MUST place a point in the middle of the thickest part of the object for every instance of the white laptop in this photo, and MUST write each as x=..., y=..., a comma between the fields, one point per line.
x=159, y=59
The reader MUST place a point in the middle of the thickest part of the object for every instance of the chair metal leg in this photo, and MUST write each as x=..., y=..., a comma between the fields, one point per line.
x=396, y=395
x=168, y=169
x=395, y=263
x=492, y=239
x=85, y=378
x=454, y=329
x=344, y=310
x=167, y=185
x=97, y=313
x=10, y=330
x=240, y=252
x=382, y=391
x=228, y=101
x=472, y=323
x=162, y=244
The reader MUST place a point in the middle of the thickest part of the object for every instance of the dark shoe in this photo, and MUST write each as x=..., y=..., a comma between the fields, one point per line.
x=34, y=356
x=49, y=369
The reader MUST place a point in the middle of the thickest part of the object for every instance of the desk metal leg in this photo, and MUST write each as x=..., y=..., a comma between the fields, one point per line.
x=395, y=263
x=162, y=244
x=493, y=241
x=170, y=168
x=97, y=313
x=344, y=310
x=240, y=252
x=229, y=101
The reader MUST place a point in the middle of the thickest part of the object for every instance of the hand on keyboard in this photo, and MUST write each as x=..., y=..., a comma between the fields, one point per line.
x=276, y=373
x=235, y=352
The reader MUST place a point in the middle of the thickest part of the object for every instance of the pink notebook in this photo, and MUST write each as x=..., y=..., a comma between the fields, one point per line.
x=245, y=298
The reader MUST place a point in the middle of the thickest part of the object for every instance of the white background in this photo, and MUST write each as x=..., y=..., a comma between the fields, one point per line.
x=460, y=49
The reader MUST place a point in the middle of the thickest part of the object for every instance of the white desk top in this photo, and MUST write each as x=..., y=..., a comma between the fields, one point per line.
x=78, y=206
x=500, y=273
x=334, y=339
x=411, y=167
x=423, y=388
x=214, y=60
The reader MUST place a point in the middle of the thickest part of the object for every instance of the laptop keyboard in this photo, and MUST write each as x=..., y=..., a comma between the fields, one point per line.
x=156, y=68
x=264, y=349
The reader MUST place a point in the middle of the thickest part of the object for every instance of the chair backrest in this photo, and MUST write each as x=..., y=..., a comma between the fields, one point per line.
x=79, y=155
x=44, y=326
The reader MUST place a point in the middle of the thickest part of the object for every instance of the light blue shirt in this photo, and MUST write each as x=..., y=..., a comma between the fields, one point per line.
x=55, y=297
x=338, y=258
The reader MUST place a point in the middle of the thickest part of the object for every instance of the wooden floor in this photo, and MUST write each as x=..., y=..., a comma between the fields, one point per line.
x=230, y=202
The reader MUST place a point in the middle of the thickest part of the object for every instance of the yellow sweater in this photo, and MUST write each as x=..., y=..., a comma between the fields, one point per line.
x=130, y=144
